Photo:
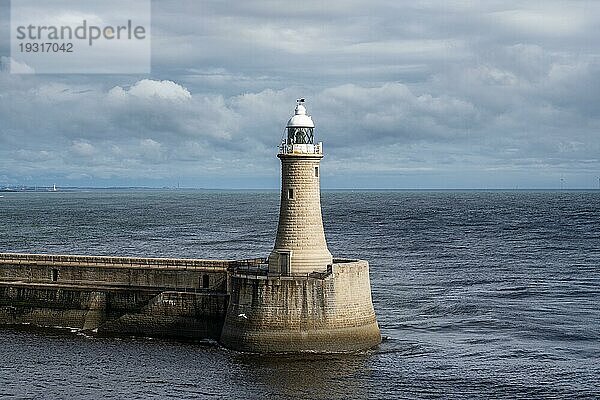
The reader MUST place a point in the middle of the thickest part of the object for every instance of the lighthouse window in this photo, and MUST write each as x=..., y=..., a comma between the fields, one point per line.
x=291, y=194
x=316, y=172
x=54, y=275
x=205, y=281
x=300, y=135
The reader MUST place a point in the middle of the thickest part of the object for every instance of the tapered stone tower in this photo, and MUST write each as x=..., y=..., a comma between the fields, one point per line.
x=300, y=246
x=305, y=301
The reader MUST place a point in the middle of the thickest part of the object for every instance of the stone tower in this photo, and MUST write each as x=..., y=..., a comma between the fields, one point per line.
x=300, y=246
x=306, y=301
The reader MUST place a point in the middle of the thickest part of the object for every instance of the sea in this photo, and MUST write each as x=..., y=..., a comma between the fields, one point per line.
x=478, y=294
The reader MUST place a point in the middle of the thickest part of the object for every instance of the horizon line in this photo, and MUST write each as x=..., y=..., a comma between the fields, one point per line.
x=41, y=188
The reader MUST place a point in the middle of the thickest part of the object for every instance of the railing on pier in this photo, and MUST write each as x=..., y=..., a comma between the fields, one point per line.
x=48, y=259
x=262, y=271
x=249, y=262
x=251, y=267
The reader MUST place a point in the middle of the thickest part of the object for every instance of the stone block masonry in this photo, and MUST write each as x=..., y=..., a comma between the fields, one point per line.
x=234, y=302
x=300, y=229
x=116, y=295
x=330, y=312
x=315, y=304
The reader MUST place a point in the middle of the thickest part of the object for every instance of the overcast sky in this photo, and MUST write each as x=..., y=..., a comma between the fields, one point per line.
x=404, y=94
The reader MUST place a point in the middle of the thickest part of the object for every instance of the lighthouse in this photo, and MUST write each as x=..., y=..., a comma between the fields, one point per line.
x=300, y=245
x=304, y=301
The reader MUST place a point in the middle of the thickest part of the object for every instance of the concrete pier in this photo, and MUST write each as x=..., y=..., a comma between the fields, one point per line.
x=321, y=312
x=299, y=299
x=117, y=295
x=236, y=302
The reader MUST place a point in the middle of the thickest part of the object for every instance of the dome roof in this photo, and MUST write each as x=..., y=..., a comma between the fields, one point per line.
x=300, y=119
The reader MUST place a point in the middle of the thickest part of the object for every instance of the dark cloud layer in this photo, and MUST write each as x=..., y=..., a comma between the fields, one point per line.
x=404, y=94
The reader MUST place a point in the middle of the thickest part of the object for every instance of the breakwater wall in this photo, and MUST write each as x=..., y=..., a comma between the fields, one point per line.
x=116, y=295
x=321, y=312
x=117, y=271
x=236, y=302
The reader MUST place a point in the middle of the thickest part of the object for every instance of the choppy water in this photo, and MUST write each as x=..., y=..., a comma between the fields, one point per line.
x=478, y=294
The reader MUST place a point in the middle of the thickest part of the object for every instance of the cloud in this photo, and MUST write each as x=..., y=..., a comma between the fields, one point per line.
x=82, y=149
x=546, y=22
x=393, y=113
x=149, y=89
x=402, y=94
